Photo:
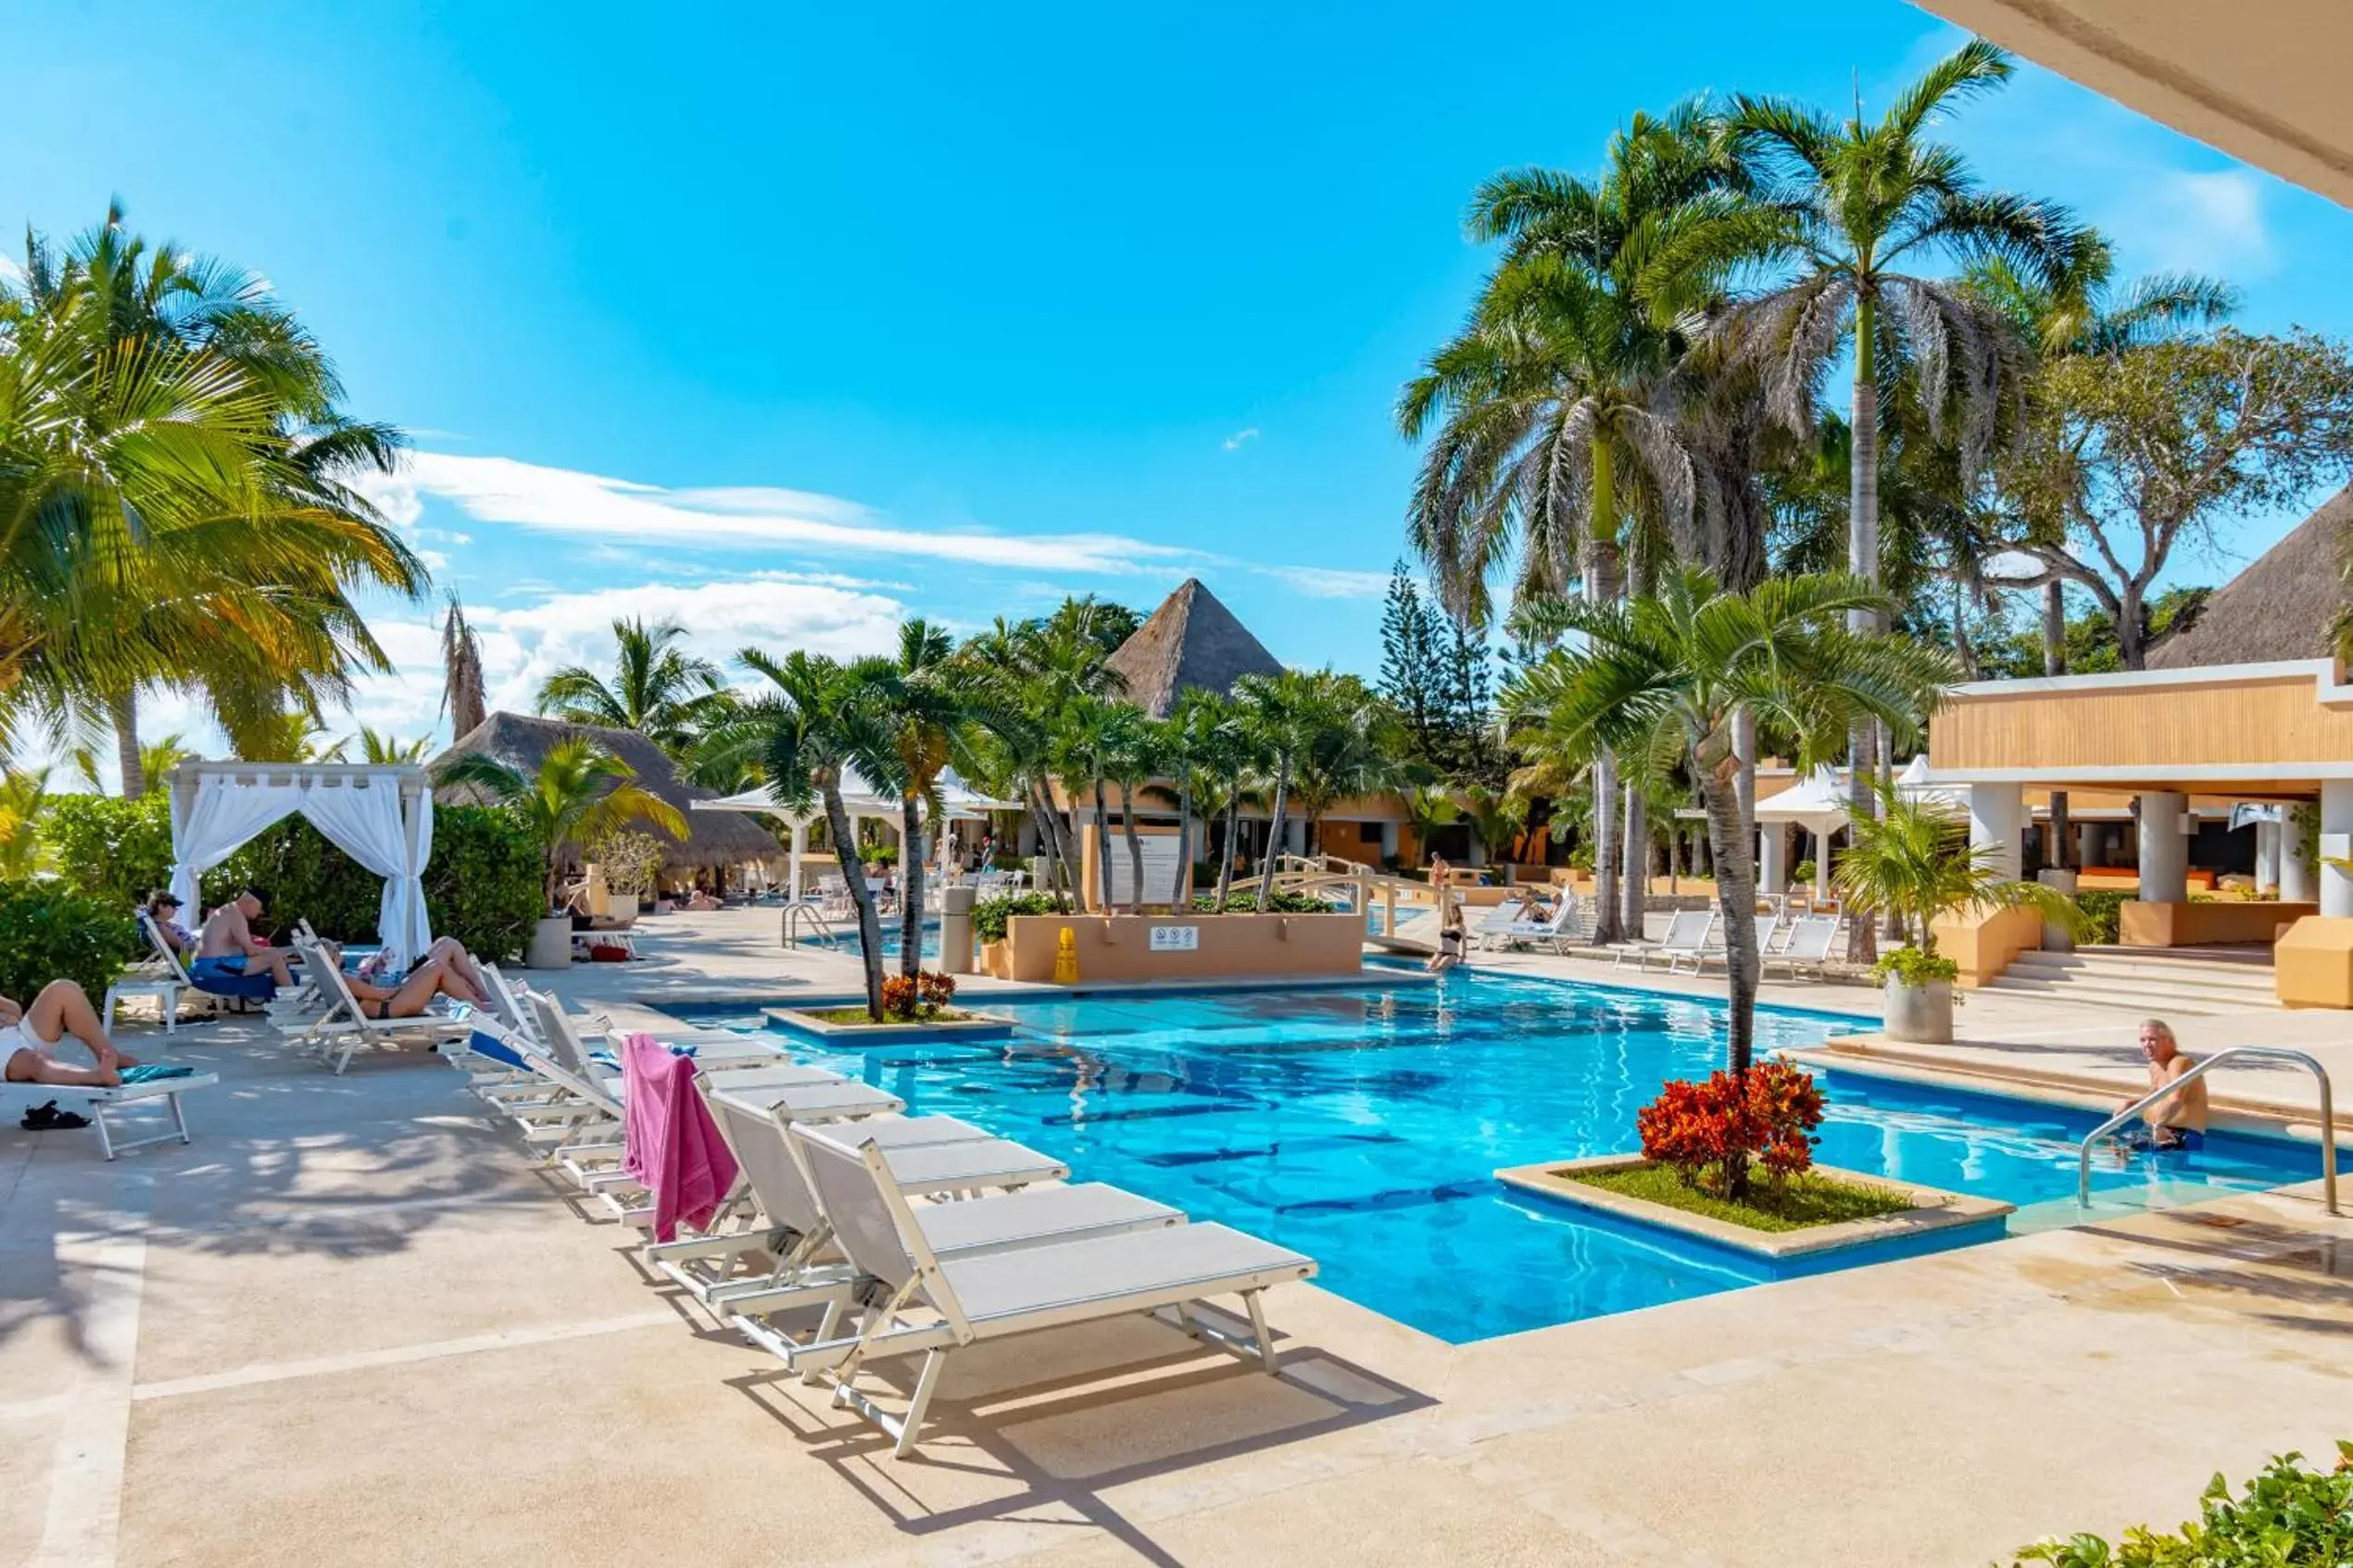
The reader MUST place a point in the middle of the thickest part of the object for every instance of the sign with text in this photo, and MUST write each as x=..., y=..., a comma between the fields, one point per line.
x=1159, y=868
x=1175, y=940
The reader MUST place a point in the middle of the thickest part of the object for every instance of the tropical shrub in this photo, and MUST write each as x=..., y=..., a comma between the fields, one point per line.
x=50, y=932
x=301, y=875
x=1803, y=872
x=631, y=861
x=915, y=997
x=2099, y=907
x=2291, y=1517
x=1915, y=966
x=484, y=886
x=989, y=915
x=938, y=987
x=1710, y=1132
x=112, y=849
x=1277, y=904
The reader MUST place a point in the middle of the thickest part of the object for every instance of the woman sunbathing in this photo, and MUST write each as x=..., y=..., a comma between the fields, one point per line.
x=431, y=978
x=30, y=1038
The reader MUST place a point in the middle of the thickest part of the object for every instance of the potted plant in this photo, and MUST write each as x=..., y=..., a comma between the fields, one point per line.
x=1914, y=862
x=580, y=792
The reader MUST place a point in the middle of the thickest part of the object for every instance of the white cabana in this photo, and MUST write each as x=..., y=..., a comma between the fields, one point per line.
x=861, y=801
x=381, y=815
x=1914, y=783
x=1818, y=804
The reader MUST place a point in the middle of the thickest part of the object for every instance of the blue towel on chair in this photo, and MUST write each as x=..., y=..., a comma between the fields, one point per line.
x=484, y=1043
x=148, y=1071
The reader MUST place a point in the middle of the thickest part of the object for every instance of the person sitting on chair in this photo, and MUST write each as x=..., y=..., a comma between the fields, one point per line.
x=228, y=947
x=30, y=1038
x=432, y=977
x=2177, y=1121
x=163, y=907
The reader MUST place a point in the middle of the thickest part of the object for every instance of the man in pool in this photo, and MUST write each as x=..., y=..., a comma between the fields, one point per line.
x=2177, y=1121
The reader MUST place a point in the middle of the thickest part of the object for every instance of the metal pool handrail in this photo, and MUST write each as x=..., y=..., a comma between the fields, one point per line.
x=2282, y=1053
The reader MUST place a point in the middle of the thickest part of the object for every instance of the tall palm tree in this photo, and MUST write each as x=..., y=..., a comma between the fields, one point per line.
x=462, y=695
x=178, y=502
x=387, y=747
x=1289, y=718
x=579, y=792
x=24, y=794
x=1846, y=207
x=1663, y=678
x=1140, y=755
x=1091, y=735
x=930, y=717
x=658, y=688
x=1551, y=416
x=817, y=720
x=1351, y=752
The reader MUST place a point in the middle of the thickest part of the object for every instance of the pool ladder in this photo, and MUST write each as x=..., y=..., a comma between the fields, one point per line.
x=2276, y=1053
x=798, y=912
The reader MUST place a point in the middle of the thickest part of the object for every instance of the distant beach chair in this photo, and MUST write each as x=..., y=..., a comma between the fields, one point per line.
x=159, y=977
x=1497, y=923
x=1687, y=933
x=1810, y=940
x=1557, y=930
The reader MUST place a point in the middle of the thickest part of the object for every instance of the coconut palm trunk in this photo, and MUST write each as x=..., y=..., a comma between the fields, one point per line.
x=1134, y=848
x=869, y=922
x=1274, y=834
x=1736, y=898
x=1180, y=891
x=1226, y=857
x=1047, y=848
x=1601, y=587
x=1102, y=843
x=910, y=885
x=1634, y=892
x=123, y=711
x=1862, y=561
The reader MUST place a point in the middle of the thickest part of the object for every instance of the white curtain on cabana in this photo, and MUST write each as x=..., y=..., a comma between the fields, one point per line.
x=363, y=819
x=366, y=824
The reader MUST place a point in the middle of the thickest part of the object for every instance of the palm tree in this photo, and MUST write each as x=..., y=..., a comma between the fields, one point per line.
x=388, y=748
x=1848, y=206
x=1290, y=717
x=1092, y=735
x=1664, y=677
x=929, y=717
x=819, y=720
x=462, y=697
x=1139, y=756
x=1552, y=414
x=1914, y=862
x=658, y=689
x=1352, y=752
x=24, y=794
x=177, y=494
x=578, y=793
x=1197, y=744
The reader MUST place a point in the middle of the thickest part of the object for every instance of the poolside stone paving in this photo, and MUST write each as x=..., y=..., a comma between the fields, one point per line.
x=352, y=1324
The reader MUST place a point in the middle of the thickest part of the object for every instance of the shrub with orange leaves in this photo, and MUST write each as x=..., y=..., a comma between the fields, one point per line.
x=1710, y=1132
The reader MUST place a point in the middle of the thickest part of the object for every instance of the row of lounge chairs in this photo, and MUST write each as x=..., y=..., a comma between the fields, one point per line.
x=1693, y=937
x=902, y=1235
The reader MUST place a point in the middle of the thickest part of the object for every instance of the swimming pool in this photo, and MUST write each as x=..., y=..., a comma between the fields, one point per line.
x=1362, y=1125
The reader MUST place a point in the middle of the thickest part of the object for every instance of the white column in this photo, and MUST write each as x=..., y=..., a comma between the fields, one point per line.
x=799, y=843
x=2299, y=879
x=2337, y=843
x=1389, y=841
x=1294, y=834
x=1772, y=858
x=2267, y=856
x=2165, y=853
x=1997, y=815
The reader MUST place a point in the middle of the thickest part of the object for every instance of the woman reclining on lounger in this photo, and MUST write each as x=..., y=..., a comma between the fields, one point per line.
x=460, y=976
x=432, y=977
x=30, y=1038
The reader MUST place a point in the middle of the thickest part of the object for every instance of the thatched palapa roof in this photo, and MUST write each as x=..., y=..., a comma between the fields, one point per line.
x=2281, y=607
x=714, y=838
x=1191, y=640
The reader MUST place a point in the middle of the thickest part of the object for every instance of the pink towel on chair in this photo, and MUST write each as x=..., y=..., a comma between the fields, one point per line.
x=674, y=1147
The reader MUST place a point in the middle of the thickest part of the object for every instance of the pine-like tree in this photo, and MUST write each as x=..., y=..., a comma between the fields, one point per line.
x=1412, y=669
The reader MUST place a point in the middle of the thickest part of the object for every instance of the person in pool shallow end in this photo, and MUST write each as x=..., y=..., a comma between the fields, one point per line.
x=1450, y=936
x=2177, y=1121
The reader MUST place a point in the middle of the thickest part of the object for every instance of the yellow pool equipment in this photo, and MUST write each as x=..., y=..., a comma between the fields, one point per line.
x=1066, y=957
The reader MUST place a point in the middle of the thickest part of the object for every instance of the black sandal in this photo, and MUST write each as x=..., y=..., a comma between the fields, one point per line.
x=48, y=1118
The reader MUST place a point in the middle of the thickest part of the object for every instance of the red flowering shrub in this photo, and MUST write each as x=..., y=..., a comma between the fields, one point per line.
x=1710, y=1132
x=938, y=989
x=899, y=996
x=912, y=997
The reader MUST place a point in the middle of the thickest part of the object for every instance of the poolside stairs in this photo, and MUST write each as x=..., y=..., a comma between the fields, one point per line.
x=2196, y=981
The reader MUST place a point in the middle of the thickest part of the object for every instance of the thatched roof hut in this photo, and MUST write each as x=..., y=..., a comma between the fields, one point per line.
x=714, y=838
x=2281, y=606
x=1191, y=640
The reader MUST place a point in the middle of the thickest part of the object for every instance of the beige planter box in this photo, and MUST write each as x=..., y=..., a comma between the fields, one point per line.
x=1933, y=1209
x=1147, y=947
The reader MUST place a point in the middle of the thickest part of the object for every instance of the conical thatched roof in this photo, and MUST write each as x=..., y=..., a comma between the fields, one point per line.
x=1191, y=640
x=2280, y=607
x=714, y=838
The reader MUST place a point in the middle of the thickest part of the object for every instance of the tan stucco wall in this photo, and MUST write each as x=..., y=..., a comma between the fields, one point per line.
x=2312, y=965
x=1984, y=941
x=1118, y=948
x=2196, y=925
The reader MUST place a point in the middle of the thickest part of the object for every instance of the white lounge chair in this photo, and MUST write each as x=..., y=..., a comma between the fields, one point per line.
x=1688, y=932
x=1496, y=924
x=1810, y=940
x=996, y=1295
x=344, y=1026
x=1557, y=929
x=159, y=977
x=107, y=1103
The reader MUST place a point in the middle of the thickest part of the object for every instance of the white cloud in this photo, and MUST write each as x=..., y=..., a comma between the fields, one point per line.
x=1330, y=582
x=1234, y=442
x=614, y=511
x=2207, y=223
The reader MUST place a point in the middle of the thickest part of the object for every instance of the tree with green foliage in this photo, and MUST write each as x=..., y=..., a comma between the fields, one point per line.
x=578, y=793
x=658, y=688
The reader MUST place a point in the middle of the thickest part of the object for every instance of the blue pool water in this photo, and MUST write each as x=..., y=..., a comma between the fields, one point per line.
x=1362, y=1125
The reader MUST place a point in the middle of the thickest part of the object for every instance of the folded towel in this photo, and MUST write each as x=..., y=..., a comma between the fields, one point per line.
x=148, y=1071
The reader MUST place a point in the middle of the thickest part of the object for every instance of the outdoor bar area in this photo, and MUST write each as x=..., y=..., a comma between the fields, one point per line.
x=2172, y=768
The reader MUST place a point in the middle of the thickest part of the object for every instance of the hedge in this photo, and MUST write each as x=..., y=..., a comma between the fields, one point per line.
x=2100, y=906
x=482, y=885
x=50, y=933
x=2293, y=1515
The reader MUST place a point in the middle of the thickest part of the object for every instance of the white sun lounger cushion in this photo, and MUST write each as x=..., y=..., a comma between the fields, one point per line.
x=892, y=1133
x=1141, y=1268
x=812, y=1101
x=958, y=1167
x=1039, y=1215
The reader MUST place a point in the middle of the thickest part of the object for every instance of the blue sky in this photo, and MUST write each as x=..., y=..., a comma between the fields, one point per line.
x=789, y=322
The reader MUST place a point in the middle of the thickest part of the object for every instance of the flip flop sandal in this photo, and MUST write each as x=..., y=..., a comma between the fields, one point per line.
x=48, y=1118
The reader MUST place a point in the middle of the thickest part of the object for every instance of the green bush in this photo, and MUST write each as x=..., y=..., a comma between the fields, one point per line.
x=989, y=915
x=301, y=876
x=108, y=848
x=1244, y=901
x=1803, y=872
x=1914, y=967
x=2291, y=1517
x=2100, y=906
x=50, y=932
x=487, y=885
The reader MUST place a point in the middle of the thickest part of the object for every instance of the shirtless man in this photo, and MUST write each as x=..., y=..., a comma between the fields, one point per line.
x=2177, y=1121
x=227, y=945
x=30, y=1038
